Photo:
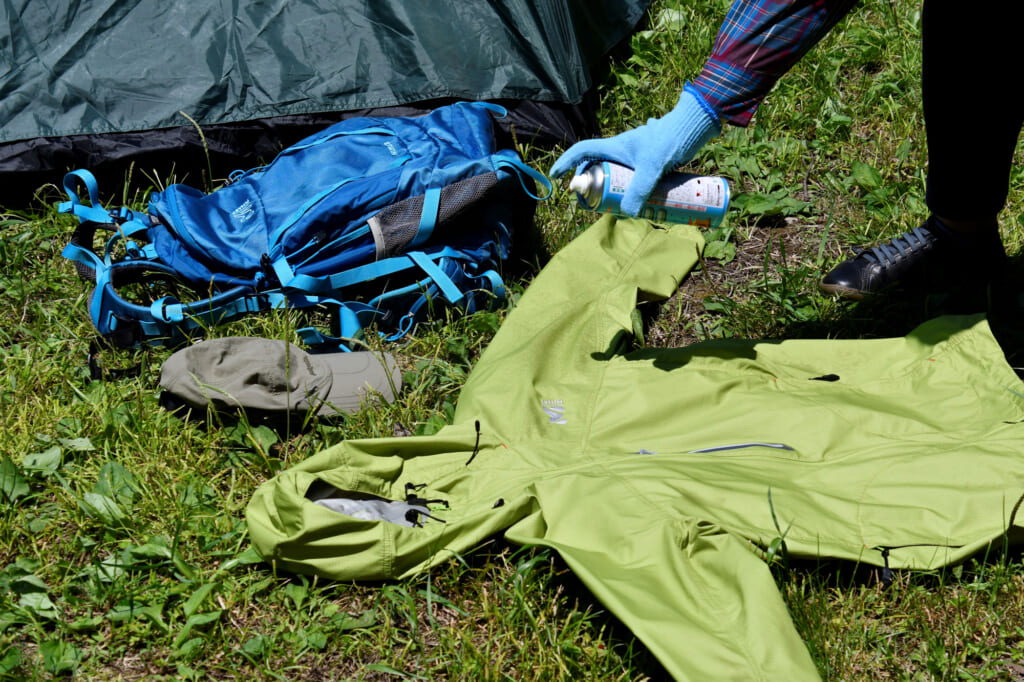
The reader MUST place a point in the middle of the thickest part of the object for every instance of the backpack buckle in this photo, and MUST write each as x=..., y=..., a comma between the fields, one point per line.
x=266, y=277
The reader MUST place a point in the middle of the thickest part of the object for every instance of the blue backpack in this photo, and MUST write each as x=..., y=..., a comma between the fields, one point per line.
x=372, y=219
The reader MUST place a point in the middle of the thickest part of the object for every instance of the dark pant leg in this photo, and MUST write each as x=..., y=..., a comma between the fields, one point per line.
x=971, y=88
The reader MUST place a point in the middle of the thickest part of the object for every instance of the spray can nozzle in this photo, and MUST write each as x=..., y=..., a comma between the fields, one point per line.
x=581, y=184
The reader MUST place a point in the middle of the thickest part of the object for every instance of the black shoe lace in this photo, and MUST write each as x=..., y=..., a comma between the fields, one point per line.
x=887, y=254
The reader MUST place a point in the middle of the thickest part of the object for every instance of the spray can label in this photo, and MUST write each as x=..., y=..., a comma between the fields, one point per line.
x=677, y=198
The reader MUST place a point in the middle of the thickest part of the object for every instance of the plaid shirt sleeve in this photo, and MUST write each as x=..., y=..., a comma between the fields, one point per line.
x=758, y=42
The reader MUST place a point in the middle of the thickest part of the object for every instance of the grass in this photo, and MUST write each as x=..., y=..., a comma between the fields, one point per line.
x=123, y=546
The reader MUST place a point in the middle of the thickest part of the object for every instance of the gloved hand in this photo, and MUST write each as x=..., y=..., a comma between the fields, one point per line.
x=651, y=150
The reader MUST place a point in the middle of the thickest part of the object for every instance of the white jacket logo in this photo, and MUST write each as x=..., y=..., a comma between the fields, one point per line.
x=555, y=410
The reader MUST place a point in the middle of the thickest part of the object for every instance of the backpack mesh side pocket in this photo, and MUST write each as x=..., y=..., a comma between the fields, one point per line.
x=395, y=227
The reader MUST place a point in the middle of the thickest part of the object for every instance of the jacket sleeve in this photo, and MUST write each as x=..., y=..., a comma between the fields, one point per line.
x=697, y=596
x=759, y=41
x=577, y=312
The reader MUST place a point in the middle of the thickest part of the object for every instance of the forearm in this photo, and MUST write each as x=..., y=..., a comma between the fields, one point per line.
x=758, y=42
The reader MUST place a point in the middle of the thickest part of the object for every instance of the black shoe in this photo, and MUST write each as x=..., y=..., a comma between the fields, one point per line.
x=930, y=255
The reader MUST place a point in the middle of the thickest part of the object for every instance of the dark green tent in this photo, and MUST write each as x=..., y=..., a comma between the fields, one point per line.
x=104, y=84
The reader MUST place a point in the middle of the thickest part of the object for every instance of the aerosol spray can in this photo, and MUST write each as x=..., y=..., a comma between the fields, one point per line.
x=677, y=198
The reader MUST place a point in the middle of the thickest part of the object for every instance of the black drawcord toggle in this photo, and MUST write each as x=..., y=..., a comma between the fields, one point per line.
x=476, y=447
x=413, y=515
x=886, y=571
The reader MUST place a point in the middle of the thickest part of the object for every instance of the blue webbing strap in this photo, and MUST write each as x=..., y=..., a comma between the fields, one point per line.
x=421, y=286
x=357, y=275
x=404, y=325
x=520, y=168
x=100, y=312
x=352, y=317
x=495, y=283
x=135, y=227
x=80, y=254
x=428, y=216
x=501, y=111
x=223, y=307
x=168, y=318
x=355, y=316
x=95, y=211
x=311, y=336
x=451, y=292
x=428, y=290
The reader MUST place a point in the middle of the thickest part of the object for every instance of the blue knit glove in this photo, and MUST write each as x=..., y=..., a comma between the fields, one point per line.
x=652, y=149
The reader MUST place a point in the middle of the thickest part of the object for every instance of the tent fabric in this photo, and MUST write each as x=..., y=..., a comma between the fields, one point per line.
x=659, y=474
x=76, y=74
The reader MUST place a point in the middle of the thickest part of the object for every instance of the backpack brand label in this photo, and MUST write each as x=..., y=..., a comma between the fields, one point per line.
x=243, y=212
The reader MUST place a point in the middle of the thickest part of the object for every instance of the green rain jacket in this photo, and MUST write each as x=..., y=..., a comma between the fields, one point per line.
x=649, y=471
